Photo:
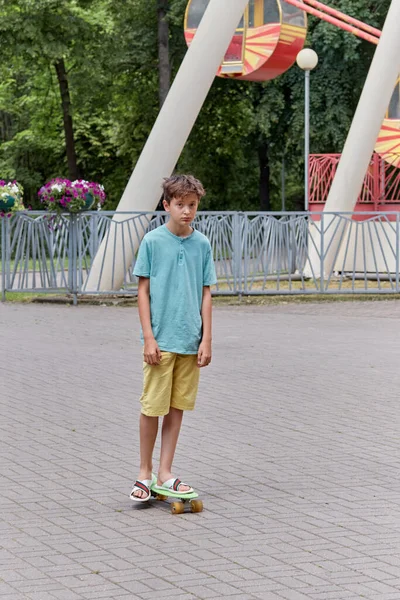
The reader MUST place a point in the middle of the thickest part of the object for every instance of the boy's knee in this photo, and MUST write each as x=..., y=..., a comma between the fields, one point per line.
x=148, y=416
x=152, y=414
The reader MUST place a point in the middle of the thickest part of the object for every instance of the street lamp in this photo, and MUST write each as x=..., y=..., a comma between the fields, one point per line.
x=307, y=60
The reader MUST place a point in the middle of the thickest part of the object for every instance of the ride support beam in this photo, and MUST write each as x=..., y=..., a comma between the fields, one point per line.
x=166, y=141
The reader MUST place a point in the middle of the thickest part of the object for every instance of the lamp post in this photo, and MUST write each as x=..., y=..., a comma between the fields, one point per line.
x=307, y=60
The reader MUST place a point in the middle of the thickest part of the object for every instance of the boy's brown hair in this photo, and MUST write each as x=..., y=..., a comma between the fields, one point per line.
x=180, y=186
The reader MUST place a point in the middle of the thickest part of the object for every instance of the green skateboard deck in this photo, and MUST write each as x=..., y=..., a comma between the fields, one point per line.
x=179, y=500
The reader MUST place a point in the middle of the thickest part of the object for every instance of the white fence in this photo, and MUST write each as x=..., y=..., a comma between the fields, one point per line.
x=254, y=253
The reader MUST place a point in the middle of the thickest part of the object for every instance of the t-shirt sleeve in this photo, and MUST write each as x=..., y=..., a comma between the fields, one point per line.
x=143, y=262
x=209, y=275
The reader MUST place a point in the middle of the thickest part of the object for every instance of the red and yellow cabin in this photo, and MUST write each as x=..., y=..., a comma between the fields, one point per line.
x=388, y=143
x=267, y=40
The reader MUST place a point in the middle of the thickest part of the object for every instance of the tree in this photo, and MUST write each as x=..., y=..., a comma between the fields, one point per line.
x=112, y=60
x=164, y=67
x=48, y=33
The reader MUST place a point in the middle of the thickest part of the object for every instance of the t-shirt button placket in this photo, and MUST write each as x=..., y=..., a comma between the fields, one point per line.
x=181, y=253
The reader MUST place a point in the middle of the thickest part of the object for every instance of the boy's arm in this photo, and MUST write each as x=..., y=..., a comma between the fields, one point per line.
x=151, y=352
x=204, y=354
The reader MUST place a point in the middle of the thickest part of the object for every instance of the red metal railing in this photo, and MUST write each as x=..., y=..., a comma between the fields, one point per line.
x=339, y=19
x=381, y=184
x=346, y=18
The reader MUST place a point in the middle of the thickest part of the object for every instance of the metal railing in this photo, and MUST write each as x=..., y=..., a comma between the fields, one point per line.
x=254, y=253
x=381, y=186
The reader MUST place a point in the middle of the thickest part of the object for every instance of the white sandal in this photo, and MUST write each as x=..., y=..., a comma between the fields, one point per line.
x=144, y=486
x=172, y=486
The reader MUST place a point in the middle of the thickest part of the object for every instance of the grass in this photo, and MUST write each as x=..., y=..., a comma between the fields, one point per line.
x=336, y=284
x=26, y=297
x=58, y=263
x=269, y=300
x=256, y=300
x=37, y=265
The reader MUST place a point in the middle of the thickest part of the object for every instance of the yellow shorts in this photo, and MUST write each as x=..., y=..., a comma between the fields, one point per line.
x=171, y=384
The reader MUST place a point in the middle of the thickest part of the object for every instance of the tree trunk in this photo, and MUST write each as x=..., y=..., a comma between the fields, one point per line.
x=164, y=66
x=62, y=77
x=265, y=201
x=6, y=126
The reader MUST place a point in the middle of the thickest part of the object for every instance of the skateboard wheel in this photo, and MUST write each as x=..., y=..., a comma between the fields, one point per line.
x=177, y=508
x=161, y=497
x=196, y=506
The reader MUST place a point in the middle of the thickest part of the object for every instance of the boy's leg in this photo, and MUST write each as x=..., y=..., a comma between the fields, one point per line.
x=183, y=397
x=155, y=401
x=148, y=434
x=169, y=438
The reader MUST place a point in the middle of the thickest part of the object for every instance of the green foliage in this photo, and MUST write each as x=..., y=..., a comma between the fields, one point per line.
x=110, y=50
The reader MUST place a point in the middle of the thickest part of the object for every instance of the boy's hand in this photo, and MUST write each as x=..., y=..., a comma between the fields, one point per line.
x=204, y=354
x=151, y=352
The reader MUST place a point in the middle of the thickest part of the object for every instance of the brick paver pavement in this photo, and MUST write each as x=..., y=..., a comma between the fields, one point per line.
x=294, y=446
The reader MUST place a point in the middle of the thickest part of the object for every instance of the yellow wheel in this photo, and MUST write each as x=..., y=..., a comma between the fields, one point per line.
x=196, y=506
x=177, y=508
x=160, y=497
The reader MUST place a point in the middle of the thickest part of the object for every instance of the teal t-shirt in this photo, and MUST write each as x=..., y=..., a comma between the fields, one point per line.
x=178, y=269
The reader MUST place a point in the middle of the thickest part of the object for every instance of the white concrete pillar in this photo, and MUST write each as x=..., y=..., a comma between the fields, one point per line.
x=357, y=152
x=167, y=139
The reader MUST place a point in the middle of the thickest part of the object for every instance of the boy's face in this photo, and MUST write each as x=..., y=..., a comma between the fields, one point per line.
x=182, y=210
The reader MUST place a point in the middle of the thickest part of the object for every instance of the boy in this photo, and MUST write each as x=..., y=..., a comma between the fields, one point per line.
x=175, y=270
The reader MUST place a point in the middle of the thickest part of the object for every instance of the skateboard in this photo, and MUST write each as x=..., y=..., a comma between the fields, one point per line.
x=179, y=502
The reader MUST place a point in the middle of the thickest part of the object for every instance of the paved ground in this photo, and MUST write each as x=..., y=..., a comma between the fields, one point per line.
x=295, y=448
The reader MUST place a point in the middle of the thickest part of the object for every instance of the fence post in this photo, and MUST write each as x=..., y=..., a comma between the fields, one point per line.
x=80, y=252
x=322, y=273
x=72, y=261
x=94, y=234
x=292, y=254
x=3, y=259
x=234, y=258
x=237, y=253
